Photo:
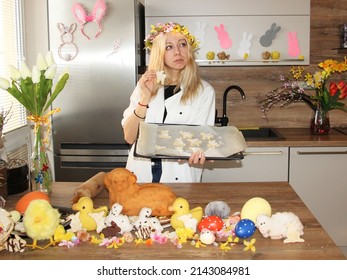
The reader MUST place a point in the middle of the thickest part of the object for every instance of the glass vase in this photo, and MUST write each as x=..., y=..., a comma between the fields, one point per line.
x=320, y=124
x=41, y=175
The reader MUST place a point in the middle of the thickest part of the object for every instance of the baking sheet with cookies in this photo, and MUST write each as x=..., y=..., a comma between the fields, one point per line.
x=173, y=141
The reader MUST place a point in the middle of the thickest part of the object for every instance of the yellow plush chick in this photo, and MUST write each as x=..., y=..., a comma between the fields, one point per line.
x=40, y=221
x=181, y=210
x=86, y=209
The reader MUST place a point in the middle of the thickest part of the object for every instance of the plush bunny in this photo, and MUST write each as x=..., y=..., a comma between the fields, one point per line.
x=223, y=36
x=293, y=44
x=70, y=49
x=245, y=44
x=269, y=36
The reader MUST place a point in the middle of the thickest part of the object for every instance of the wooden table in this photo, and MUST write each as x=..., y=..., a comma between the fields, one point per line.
x=280, y=195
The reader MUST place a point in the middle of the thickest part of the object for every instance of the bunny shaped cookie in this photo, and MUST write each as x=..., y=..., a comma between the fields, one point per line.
x=223, y=36
x=293, y=44
x=245, y=44
x=68, y=49
x=269, y=36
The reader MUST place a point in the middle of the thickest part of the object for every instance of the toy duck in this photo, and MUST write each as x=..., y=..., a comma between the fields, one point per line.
x=86, y=212
x=183, y=216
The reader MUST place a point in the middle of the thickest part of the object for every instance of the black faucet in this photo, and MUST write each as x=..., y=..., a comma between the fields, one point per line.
x=224, y=119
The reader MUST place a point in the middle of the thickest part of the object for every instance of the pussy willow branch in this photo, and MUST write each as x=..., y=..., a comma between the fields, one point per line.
x=284, y=96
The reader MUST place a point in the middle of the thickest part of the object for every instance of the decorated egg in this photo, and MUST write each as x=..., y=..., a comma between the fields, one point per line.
x=24, y=201
x=213, y=223
x=245, y=228
x=254, y=207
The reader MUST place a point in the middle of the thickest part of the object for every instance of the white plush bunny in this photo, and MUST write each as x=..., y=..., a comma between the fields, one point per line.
x=245, y=44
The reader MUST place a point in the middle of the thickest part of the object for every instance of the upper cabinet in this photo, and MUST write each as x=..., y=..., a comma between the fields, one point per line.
x=242, y=32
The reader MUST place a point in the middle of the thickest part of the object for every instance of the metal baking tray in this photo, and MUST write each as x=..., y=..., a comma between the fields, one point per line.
x=148, y=141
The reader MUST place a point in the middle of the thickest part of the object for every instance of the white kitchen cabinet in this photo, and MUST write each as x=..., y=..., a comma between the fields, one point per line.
x=258, y=165
x=318, y=175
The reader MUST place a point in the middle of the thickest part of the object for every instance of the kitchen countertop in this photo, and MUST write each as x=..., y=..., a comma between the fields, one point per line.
x=301, y=137
x=280, y=195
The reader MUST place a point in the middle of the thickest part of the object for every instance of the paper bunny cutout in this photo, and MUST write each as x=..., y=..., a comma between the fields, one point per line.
x=270, y=34
x=223, y=36
x=245, y=44
x=200, y=32
x=67, y=39
x=293, y=44
x=96, y=16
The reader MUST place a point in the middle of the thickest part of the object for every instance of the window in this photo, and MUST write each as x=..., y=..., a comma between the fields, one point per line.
x=11, y=52
x=16, y=131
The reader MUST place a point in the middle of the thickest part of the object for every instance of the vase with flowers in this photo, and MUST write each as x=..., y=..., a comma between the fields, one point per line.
x=34, y=90
x=327, y=95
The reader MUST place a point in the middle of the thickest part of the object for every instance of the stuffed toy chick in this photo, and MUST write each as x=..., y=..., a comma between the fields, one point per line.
x=40, y=222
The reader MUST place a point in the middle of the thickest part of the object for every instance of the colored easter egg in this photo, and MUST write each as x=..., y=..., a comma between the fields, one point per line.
x=213, y=223
x=24, y=201
x=254, y=207
x=245, y=228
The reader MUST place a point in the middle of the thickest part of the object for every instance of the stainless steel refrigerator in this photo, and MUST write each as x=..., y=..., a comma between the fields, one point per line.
x=100, y=43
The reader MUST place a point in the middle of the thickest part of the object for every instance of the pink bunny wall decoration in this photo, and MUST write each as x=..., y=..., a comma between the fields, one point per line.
x=96, y=16
x=293, y=44
x=223, y=36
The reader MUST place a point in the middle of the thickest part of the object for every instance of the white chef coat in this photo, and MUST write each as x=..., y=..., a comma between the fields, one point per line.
x=198, y=111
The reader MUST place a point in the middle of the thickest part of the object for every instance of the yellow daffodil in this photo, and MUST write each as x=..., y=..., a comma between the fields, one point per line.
x=138, y=241
x=326, y=98
x=225, y=246
x=249, y=245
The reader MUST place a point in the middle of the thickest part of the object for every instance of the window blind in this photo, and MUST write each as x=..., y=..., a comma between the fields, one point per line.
x=11, y=52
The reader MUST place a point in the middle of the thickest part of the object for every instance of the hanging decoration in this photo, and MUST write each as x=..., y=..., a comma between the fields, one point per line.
x=68, y=49
x=96, y=16
x=115, y=47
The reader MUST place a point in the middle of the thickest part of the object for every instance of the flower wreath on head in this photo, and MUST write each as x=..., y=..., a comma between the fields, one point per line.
x=166, y=28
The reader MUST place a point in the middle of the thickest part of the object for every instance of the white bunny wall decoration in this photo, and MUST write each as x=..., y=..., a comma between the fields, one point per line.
x=68, y=49
x=245, y=44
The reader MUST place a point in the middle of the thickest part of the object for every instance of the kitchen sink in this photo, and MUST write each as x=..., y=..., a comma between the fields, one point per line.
x=261, y=134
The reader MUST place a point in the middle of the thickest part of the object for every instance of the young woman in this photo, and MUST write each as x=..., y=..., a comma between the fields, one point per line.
x=182, y=99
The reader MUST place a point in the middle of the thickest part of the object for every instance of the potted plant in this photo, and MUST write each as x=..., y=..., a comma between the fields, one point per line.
x=14, y=173
x=3, y=156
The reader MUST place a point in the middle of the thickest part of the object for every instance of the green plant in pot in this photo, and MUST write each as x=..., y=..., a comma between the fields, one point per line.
x=14, y=173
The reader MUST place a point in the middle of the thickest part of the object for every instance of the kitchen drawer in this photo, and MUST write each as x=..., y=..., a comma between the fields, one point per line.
x=259, y=165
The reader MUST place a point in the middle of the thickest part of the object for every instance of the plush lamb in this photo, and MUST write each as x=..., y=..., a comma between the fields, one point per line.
x=281, y=225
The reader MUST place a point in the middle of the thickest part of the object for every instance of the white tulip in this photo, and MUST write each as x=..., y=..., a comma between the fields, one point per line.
x=36, y=75
x=50, y=72
x=49, y=58
x=4, y=84
x=41, y=62
x=25, y=72
x=14, y=73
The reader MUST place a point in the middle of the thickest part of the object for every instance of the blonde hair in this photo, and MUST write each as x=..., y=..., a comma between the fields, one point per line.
x=189, y=79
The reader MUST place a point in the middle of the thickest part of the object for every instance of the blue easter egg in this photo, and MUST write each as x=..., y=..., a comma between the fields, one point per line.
x=245, y=228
